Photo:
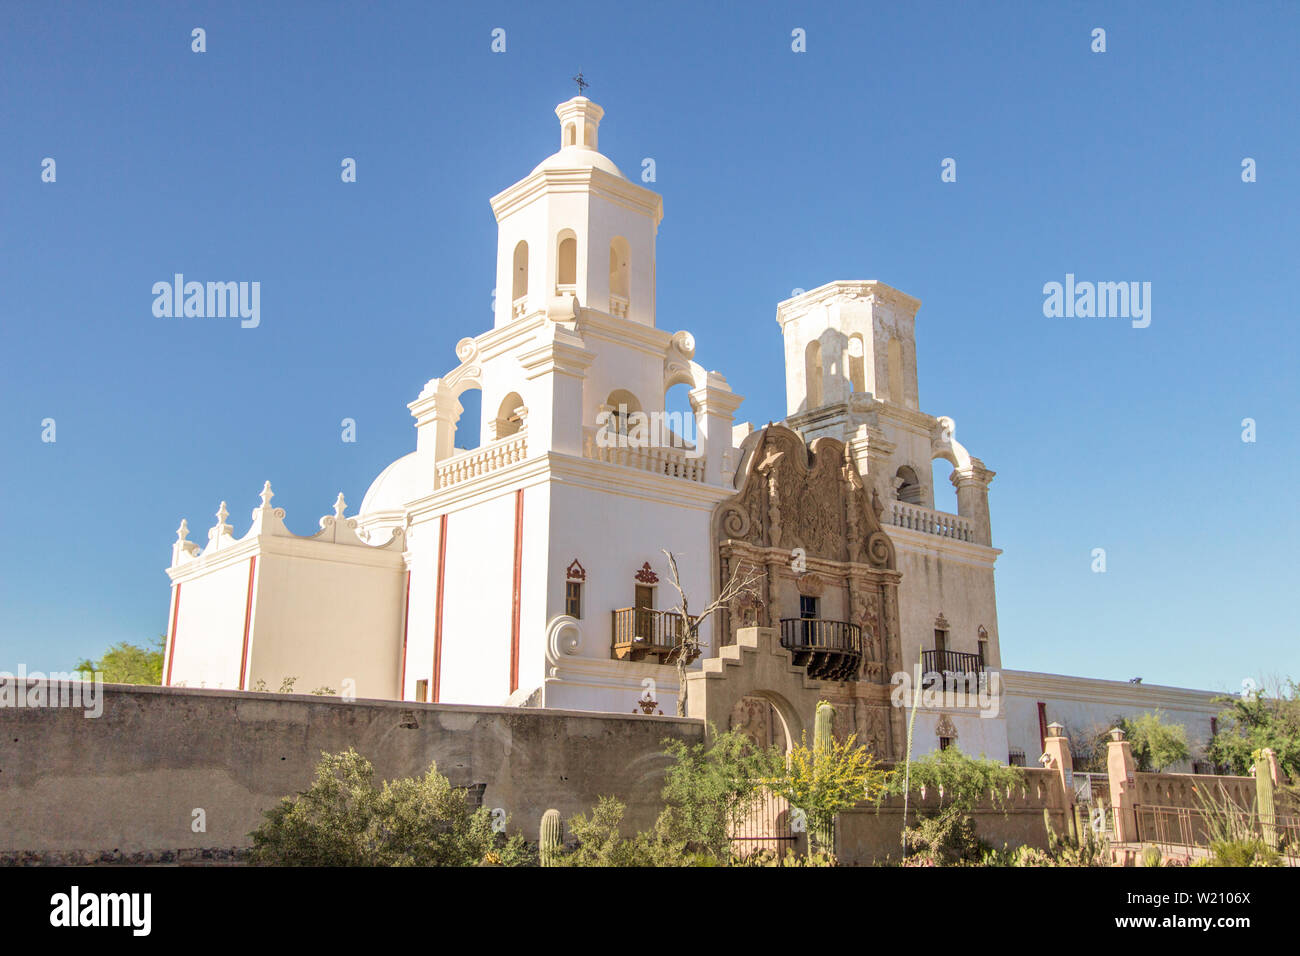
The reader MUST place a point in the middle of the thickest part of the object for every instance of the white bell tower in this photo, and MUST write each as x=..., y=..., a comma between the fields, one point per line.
x=575, y=233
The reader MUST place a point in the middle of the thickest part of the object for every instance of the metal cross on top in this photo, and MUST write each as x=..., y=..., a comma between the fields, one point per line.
x=582, y=84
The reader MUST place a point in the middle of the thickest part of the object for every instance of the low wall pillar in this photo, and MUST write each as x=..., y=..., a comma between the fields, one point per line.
x=1122, y=772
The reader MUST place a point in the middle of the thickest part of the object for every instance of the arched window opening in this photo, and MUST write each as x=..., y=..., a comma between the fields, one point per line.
x=857, y=364
x=520, y=282
x=895, y=371
x=623, y=416
x=908, y=486
x=510, y=416
x=469, y=427
x=570, y=134
x=945, y=494
x=566, y=276
x=678, y=429
x=813, y=375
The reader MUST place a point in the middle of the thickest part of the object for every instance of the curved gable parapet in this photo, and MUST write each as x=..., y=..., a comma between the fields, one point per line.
x=811, y=497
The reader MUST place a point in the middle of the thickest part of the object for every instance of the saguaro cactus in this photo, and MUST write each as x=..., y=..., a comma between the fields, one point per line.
x=1264, y=799
x=822, y=832
x=550, y=838
x=824, y=727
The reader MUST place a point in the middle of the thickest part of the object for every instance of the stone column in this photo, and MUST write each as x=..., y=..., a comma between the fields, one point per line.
x=436, y=413
x=714, y=412
x=972, y=486
x=556, y=368
x=1056, y=750
x=1123, y=785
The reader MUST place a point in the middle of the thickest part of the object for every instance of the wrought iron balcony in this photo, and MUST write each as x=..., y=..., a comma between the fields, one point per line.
x=641, y=633
x=831, y=650
x=956, y=664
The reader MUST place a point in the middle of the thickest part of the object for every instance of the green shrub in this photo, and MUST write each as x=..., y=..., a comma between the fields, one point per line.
x=342, y=819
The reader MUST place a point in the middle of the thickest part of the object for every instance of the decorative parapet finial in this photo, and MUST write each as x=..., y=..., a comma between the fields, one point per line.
x=340, y=507
x=183, y=549
x=266, y=519
x=220, y=532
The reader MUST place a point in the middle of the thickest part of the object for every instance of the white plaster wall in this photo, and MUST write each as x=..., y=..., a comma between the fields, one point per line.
x=977, y=736
x=1080, y=704
x=477, y=603
x=535, y=579
x=627, y=367
x=209, y=641
x=422, y=559
x=613, y=534
x=325, y=620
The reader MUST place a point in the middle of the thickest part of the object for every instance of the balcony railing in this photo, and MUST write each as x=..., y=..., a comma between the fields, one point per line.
x=641, y=633
x=481, y=461
x=830, y=650
x=613, y=448
x=916, y=518
x=954, y=664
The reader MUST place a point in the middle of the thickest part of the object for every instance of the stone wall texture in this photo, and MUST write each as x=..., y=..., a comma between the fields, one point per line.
x=125, y=785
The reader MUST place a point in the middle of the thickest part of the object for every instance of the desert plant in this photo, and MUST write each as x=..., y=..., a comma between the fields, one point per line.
x=1151, y=855
x=550, y=838
x=830, y=777
x=1264, y=799
x=709, y=786
x=1257, y=719
x=600, y=841
x=342, y=819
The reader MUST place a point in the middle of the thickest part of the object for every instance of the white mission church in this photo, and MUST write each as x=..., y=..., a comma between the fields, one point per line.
x=530, y=570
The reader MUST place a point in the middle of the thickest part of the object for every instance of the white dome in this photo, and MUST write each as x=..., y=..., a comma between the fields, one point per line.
x=579, y=157
x=406, y=479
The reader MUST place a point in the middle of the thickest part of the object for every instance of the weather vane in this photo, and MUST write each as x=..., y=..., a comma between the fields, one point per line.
x=582, y=84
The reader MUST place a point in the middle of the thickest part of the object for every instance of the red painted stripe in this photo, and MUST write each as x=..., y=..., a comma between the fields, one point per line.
x=406, y=623
x=248, y=620
x=437, y=619
x=171, y=638
x=518, y=582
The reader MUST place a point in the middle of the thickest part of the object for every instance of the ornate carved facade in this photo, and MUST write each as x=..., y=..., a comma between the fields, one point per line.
x=803, y=516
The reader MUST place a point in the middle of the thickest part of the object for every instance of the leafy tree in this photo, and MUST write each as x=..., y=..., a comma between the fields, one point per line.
x=1156, y=745
x=600, y=840
x=342, y=819
x=710, y=785
x=1256, y=720
x=125, y=663
x=962, y=782
x=948, y=835
x=823, y=782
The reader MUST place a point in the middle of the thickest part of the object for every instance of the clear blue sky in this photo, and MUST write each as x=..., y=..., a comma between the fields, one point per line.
x=778, y=170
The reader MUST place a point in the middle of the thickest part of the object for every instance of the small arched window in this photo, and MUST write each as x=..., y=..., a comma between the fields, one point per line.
x=625, y=416
x=566, y=275
x=908, y=486
x=570, y=134
x=857, y=366
x=813, y=375
x=520, y=281
x=510, y=415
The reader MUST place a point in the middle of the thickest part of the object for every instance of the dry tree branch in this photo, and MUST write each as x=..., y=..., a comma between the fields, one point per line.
x=745, y=579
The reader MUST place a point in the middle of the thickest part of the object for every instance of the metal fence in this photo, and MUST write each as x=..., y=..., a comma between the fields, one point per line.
x=1190, y=827
x=768, y=824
